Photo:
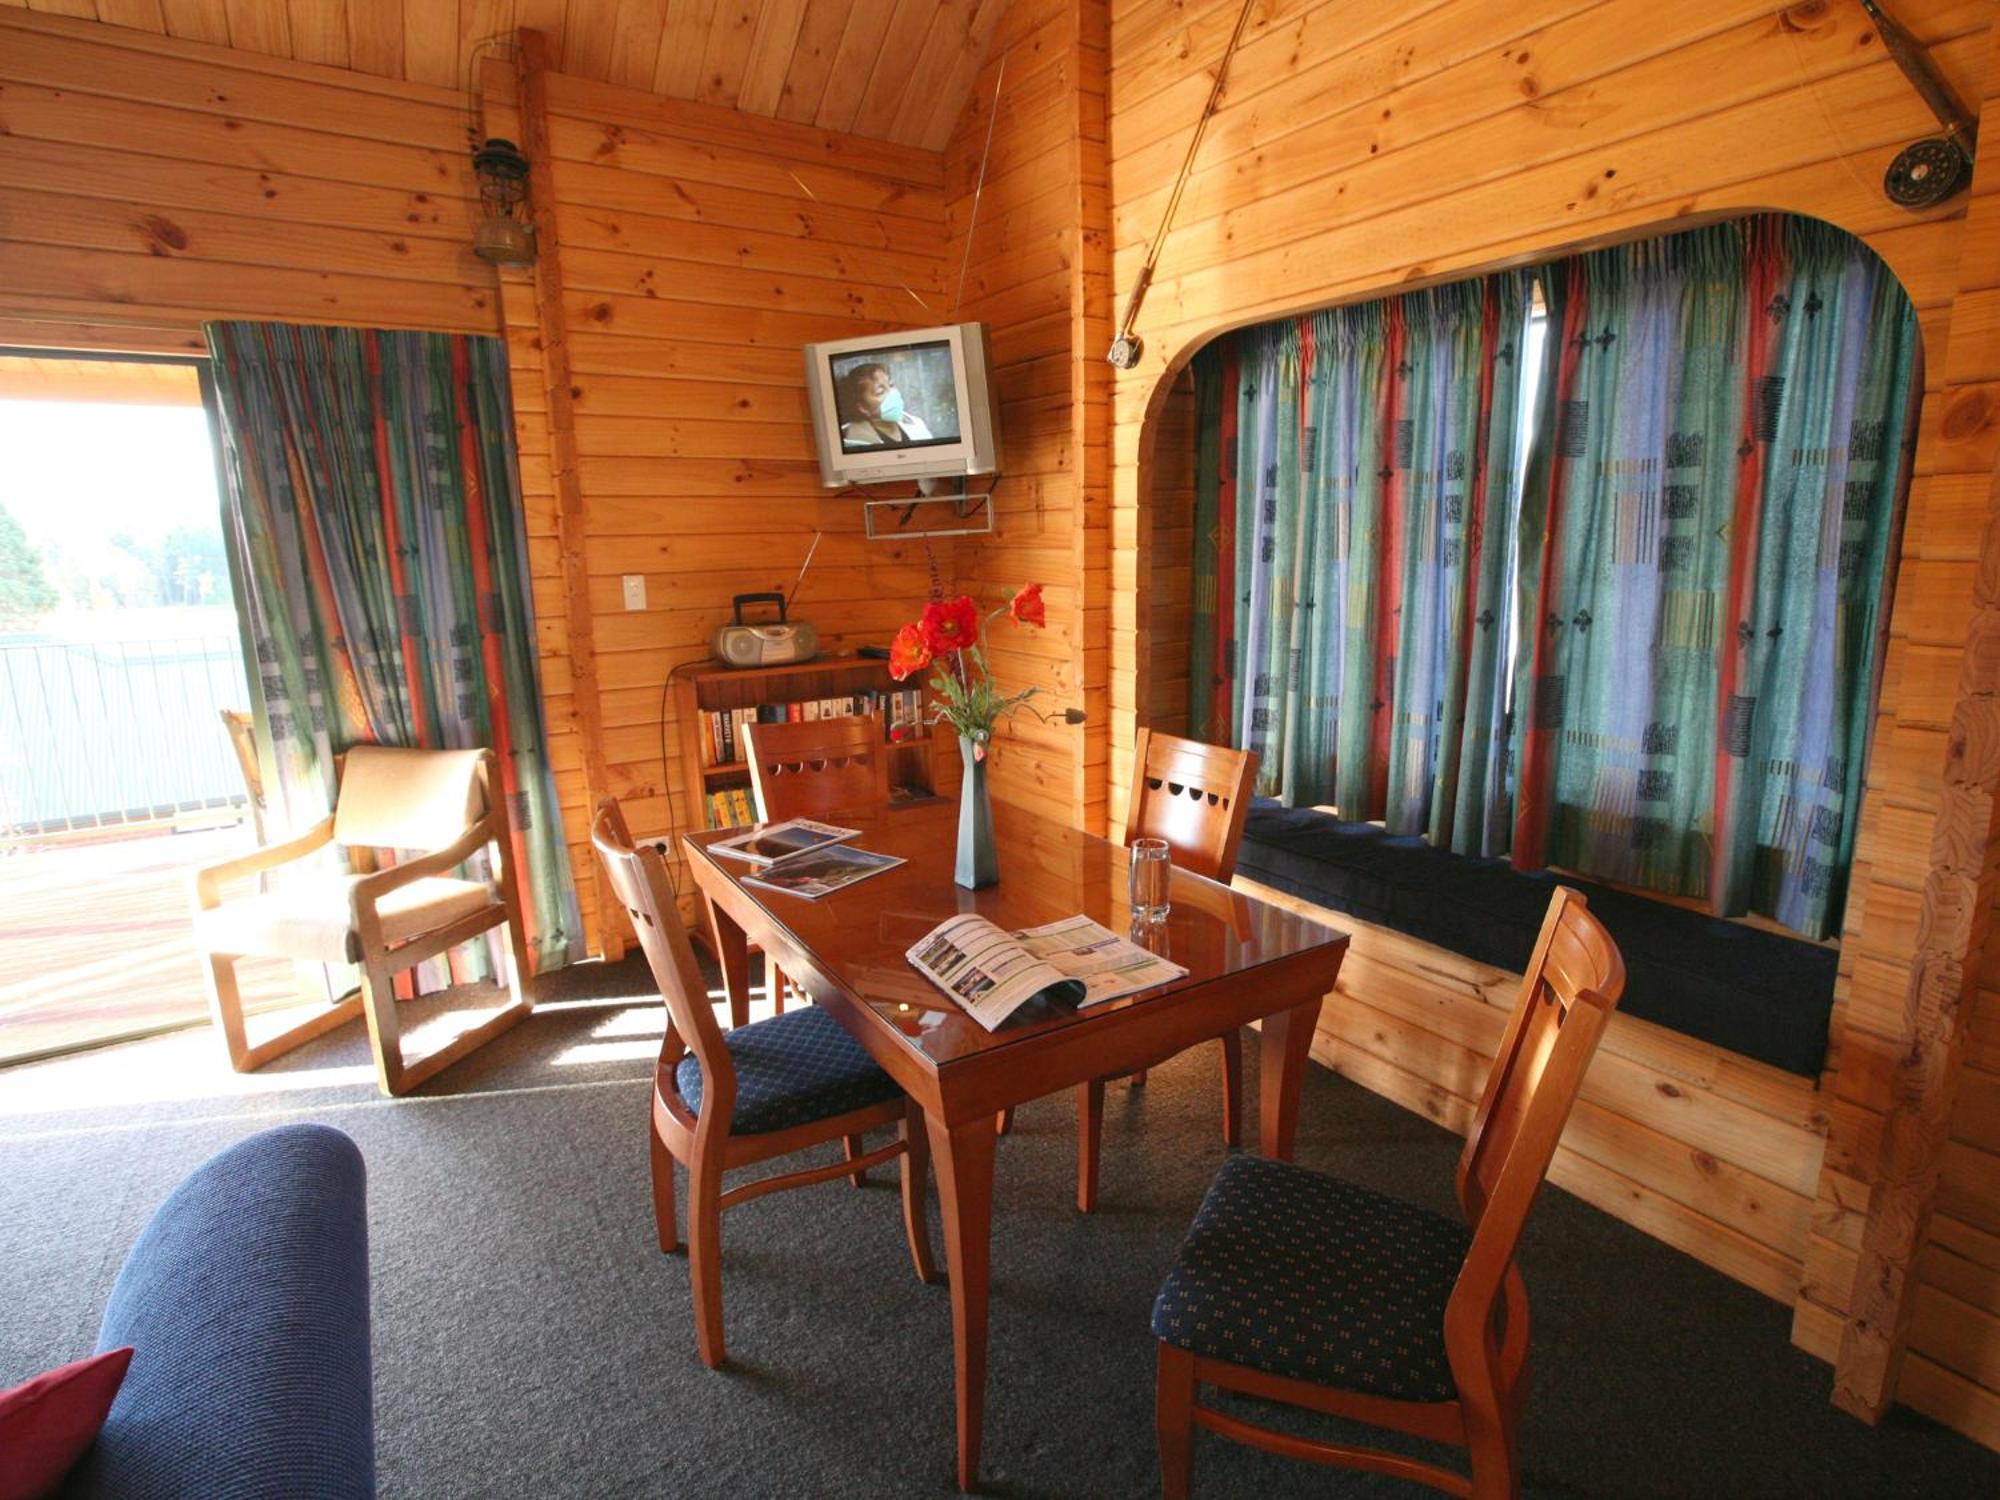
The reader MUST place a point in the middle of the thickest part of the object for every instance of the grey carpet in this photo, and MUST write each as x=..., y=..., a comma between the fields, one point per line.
x=530, y=1340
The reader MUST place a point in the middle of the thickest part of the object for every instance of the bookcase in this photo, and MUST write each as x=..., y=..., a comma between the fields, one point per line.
x=917, y=773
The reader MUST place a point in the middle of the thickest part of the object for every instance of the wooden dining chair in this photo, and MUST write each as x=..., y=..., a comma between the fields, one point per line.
x=1196, y=797
x=723, y=1100
x=1297, y=1287
x=818, y=768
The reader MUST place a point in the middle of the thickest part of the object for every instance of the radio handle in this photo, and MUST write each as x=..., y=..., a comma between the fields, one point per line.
x=771, y=598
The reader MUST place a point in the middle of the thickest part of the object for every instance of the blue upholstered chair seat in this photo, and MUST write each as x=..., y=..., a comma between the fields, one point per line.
x=1299, y=1274
x=791, y=1070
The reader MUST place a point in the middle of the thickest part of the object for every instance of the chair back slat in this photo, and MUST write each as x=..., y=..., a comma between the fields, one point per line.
x=638, y=879
x=408, y=799
x=818, y=768
x=1573, y=983
x=1194, y=796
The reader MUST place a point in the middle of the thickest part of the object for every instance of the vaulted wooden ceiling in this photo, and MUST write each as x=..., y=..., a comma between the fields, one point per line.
x=896, y=70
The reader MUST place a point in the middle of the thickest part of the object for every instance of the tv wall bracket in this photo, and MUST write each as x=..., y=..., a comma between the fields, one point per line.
x=965, y=504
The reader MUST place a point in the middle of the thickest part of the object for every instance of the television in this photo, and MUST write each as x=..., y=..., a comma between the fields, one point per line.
x=915, y=405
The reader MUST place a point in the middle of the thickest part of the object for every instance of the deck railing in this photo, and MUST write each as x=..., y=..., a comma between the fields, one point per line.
x=102, y=733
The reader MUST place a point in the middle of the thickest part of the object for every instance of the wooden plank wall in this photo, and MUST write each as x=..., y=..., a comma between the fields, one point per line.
x=149, y=184
x=1037, y=278
x=1915, y=1249
x=1355, y=154
x=701, y=248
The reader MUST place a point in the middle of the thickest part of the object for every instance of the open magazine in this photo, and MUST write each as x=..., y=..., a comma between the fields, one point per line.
x=773, y=843
x=992, y=973
x=822, y=871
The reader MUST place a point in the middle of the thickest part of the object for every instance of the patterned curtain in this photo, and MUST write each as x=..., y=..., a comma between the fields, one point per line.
x=1705, y=536
x=375, y=504
x=1355, y=503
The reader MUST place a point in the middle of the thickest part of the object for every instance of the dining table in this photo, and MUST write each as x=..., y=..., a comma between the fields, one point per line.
x=1247, y=961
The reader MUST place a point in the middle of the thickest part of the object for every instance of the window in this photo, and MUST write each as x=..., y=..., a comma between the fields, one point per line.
x=1581, y=565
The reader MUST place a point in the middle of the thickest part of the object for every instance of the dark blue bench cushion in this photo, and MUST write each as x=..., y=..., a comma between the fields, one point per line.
x=245, y=1301
x=1300, y=1274
x=790, y=1070
x=1758, y=993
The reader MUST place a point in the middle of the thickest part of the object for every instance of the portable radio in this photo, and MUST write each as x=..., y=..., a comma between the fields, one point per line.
x=772, y=644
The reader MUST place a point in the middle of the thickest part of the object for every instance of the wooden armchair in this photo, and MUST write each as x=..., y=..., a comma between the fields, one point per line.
x=444, y=802
x=1296, y=1287
x=1196, y=797
x=242, y=732
x=763, y=1090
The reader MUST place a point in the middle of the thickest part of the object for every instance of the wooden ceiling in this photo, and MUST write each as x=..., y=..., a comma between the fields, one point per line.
x=895, y=70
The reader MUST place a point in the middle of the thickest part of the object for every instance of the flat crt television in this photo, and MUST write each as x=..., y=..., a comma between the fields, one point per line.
x=915, y=405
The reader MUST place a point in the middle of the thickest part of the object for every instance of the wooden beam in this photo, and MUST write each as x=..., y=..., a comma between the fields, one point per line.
x=531, y=68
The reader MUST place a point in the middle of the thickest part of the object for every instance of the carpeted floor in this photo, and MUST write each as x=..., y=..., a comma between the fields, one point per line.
x=530, y=1340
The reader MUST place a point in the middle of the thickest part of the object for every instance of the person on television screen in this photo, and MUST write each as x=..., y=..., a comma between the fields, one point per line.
x=873, y=414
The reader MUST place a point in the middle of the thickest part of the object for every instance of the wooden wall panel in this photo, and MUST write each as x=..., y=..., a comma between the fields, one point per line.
x=1921, y=1288
x=1038, y=275
x=148, y=185
x=701, y=249
x=1355, y=154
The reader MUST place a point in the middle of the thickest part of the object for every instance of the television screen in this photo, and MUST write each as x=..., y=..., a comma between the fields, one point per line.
x=902, y=396
x=914, y=404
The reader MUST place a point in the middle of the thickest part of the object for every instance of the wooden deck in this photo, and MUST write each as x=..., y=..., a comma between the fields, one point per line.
x=95, y=941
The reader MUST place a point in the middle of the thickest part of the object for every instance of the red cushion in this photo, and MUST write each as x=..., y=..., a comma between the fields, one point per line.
x=47, y=1423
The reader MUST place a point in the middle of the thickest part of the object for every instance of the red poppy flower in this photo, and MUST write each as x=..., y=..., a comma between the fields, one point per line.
x=950, y=626
x=1027, y=607
x=908, y=653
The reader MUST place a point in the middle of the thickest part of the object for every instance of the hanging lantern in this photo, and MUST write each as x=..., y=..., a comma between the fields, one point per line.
x=504, y=236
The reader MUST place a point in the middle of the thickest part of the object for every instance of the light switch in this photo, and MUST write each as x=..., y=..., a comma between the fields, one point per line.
x=635, y=590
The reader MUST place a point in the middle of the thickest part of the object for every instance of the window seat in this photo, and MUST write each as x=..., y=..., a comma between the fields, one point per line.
x=1753, y=992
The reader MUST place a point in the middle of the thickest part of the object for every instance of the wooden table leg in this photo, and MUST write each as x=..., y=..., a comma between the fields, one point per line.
x=1287, y=1046
x=963, y=1155
x=732, y=952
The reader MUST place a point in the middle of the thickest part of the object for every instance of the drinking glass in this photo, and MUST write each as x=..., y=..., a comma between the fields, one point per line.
x=1152, y=874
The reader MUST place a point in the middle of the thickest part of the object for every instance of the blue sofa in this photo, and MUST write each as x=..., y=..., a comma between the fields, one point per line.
x=245, y=1300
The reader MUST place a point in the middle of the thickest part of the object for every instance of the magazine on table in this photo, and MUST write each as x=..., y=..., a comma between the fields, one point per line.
x=992, y=974
x=821, y=872
x=774, y=843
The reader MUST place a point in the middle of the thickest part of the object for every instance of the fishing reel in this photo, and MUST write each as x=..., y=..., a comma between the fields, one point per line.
x=1125, y=351
x=1925, y=174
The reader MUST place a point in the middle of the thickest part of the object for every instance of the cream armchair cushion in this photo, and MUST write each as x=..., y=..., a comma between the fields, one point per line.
x=312, y=921
x=408, y=799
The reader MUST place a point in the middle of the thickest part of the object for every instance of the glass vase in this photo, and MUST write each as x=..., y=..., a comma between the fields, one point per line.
x=978, y=861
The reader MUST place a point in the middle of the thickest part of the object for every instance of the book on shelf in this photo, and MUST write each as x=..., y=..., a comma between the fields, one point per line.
x=775, y=843
x=992, y=973
x=725, y=742
x=822, y=871
x=730, y=807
